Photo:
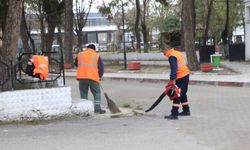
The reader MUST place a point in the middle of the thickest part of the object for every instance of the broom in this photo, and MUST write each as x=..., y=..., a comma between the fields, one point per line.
x=111, y=104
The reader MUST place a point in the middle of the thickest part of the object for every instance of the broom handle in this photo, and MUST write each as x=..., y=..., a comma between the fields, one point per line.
x=102, y=88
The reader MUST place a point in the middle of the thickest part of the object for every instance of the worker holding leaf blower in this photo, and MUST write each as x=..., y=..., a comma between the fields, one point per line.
x=89, y=72
x=179, y=76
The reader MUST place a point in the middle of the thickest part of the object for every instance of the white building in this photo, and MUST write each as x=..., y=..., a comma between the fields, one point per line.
x=247, y=21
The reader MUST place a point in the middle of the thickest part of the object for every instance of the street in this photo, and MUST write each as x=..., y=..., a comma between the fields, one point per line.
x=219, y=121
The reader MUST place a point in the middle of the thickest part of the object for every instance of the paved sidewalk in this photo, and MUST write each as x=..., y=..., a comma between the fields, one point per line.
x=241, y=77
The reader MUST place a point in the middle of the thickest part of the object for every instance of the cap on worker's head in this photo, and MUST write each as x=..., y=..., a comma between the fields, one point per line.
x=92, y=46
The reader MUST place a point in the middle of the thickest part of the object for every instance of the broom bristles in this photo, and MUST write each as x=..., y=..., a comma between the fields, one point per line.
x=111, y=105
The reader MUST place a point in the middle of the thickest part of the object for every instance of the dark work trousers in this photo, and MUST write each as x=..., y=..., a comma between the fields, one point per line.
x=182, y=83
x=85, y=85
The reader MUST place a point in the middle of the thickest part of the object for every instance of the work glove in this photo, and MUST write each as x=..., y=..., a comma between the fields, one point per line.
x=170, y=83
x=172, y=91
x=168, y=87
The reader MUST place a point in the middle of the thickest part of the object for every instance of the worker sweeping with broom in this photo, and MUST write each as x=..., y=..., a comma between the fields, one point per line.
x=179, y=76
x=89, y=72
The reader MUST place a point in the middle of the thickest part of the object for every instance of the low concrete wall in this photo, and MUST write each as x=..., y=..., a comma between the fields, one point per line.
x=82, y=107
x=134, y=56
x=42, y=104
x=139, y=56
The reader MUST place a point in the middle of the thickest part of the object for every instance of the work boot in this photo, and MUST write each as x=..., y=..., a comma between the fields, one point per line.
x=100, y=111
x=171, y=117
x=185, y=113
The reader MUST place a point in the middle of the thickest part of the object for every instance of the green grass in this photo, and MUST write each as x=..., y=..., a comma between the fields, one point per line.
x=126, y=105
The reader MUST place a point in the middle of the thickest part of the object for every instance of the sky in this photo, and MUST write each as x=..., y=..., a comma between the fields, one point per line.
x=94, y=5
x=97, y=3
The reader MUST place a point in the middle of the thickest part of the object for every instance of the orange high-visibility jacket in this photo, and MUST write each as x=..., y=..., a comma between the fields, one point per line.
x=41, y=66
x=181, y=63
x=88, y=65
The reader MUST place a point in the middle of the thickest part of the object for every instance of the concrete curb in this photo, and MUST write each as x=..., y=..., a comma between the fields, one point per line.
x=191, y=82
x=71, y=74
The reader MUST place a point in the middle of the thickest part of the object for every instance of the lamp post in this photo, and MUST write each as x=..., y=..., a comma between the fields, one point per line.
x=225, y=31
x=123, y=28
x=227, y=20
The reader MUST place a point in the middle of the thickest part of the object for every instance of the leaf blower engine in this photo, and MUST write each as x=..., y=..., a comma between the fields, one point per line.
x=172, y=91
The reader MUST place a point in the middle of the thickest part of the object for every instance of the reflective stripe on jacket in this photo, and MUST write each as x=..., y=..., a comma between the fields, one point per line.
x=41, y=66
x=88, y=65
x=182, y=69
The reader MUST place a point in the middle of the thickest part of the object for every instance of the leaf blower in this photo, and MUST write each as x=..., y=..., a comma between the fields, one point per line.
x=172, y=91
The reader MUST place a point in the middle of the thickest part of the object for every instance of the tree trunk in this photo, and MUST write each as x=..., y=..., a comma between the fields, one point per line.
x=188, y=31
x=243, y=22
x=224, y=34
x=32, y=42
x=81, y=20
x=50, y=35
x=24, y=35
x=42, y=34
x=209, y=11
x=145, y=37
x=68, y=34
x=53, y=11
x=137, y=22
x=144, y=27
x=41, y=17
x=182, y=35
x=79, y=39
x=11, y=35
x=3, y=13
x=59, y=37
x=194, y=20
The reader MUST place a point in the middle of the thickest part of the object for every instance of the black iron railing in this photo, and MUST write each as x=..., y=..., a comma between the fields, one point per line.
x=17, y=72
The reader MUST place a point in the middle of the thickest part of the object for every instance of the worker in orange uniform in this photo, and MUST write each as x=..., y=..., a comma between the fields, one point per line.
x=179, y=75
x=89, y=73
x=41, y=66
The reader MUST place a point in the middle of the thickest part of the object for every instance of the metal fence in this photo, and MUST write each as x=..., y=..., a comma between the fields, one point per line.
x=237, y=48
x=18, y=75
x=205, y=50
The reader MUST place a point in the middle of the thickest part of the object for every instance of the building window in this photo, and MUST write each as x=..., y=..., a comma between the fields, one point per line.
x=92, y=38
x=102, y=38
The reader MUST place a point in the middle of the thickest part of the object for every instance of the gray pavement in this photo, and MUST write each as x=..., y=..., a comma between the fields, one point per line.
x=240, y=76
x=219, y=121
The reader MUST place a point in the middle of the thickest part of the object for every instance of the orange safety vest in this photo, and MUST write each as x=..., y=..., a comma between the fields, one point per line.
x=181, y=63
x=88, y=65
x=41, y=66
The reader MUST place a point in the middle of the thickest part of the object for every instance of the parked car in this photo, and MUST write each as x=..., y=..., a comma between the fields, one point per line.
x=103, y=47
